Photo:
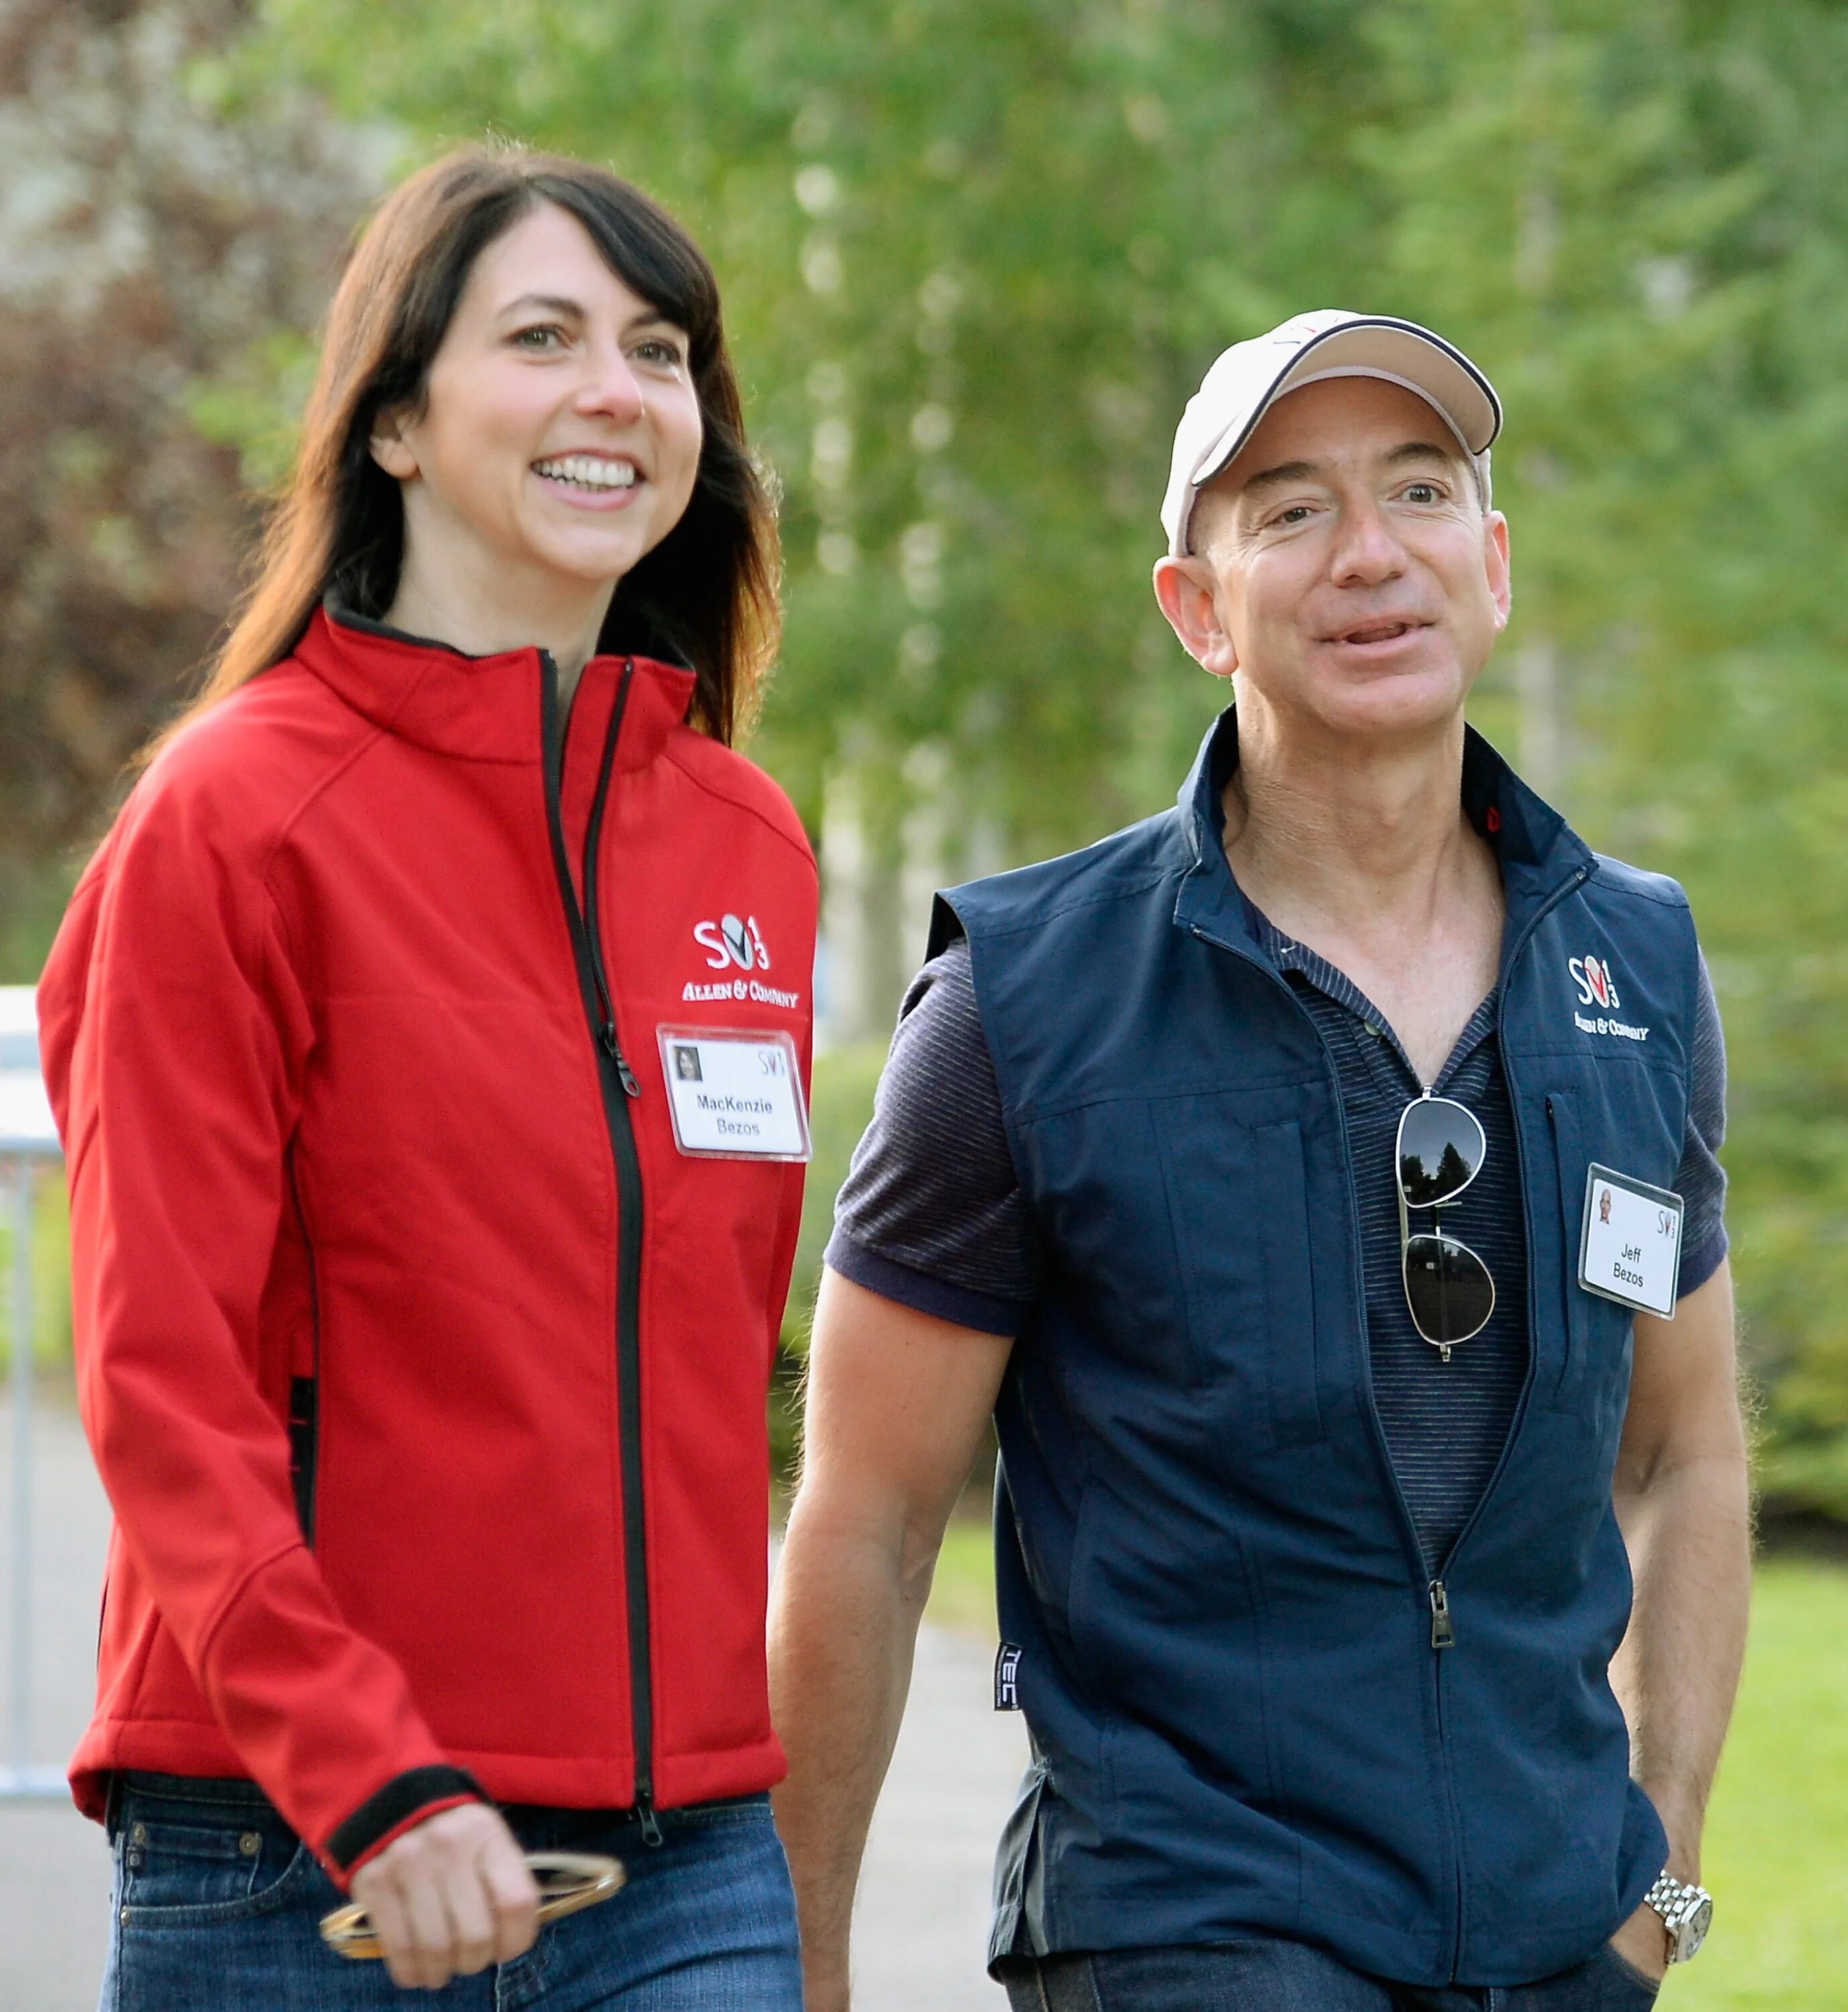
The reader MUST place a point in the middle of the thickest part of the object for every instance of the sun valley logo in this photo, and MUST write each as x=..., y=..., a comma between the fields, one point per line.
x=1597, y=988
x=736, y=942
x=732, y=941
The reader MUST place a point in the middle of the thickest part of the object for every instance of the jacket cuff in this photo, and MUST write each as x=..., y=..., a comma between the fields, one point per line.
x=404, y=1801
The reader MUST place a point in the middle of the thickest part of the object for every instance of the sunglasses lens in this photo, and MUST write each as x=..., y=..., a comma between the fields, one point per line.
x=1448, y=1288
x=1440, y=1149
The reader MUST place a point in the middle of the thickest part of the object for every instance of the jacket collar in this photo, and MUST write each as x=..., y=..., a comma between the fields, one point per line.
x=480, y=709
x=1539, y=851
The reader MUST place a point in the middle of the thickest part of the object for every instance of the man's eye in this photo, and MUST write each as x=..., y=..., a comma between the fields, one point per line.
x=1297, y=513
x=1423, y=492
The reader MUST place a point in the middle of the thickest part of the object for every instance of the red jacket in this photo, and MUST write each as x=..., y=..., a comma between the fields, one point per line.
x=425, y=1373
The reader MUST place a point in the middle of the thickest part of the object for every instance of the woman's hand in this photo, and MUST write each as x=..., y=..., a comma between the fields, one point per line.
x=450, y=1897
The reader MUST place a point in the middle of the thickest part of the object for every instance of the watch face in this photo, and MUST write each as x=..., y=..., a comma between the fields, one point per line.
x=1692, y=1932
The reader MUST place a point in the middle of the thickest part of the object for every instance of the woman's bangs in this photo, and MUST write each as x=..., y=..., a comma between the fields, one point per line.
x=645, y=251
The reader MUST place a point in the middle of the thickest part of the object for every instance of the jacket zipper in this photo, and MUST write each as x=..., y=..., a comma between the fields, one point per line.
x=1435, y=1591
x=618, y=1085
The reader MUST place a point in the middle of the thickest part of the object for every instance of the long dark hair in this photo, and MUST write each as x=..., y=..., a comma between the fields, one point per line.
x=707, y=592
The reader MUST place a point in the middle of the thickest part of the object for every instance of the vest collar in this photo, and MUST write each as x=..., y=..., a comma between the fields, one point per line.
x=480, y=708
x=1539, y=851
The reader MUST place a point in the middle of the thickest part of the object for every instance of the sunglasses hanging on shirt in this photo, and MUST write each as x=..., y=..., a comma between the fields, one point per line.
x=1440, y=1150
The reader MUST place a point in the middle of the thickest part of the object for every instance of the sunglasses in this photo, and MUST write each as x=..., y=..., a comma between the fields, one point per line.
x=1440, y=1150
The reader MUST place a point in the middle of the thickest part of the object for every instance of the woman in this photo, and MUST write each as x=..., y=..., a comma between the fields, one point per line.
x=426, y=1038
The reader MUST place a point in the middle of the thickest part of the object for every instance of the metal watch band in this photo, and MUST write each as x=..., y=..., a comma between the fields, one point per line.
x=1686, y=1912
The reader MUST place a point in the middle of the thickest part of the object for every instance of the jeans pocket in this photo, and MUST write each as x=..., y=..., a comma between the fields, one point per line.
x=216, y=1866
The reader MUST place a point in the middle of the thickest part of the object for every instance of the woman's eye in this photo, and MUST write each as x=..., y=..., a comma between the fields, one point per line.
x=542, y=335
x=666, y=355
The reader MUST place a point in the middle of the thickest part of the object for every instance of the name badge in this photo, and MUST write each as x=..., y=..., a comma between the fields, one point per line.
x=734, y=1096
x=1631, y=1248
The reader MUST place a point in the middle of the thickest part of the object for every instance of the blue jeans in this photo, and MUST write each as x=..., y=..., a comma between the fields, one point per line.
x=217, y=1905
x=1266, y=1975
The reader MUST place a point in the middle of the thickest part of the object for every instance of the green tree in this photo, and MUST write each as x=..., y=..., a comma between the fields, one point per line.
x=1635, y=215
x=975, y=257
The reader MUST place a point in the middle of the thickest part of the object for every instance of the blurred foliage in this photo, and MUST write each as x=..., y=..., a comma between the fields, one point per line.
x=840, y=1103
x=144, y=242
x=840, y=1106
x=975, y=255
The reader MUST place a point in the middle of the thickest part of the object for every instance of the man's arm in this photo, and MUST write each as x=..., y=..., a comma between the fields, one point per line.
x=1683, y=1501
x=897, y=1404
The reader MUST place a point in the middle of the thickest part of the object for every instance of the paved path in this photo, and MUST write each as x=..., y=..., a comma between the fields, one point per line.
x=923, y=1923
x=54, y=1866
x=920, y=1932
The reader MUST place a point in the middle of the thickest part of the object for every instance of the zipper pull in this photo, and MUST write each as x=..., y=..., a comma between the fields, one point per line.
x=1443, y=1635
x=624, y=1075
x=644, y=1815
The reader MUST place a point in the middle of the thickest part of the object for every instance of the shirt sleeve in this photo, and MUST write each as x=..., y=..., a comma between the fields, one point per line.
x=177, y=1037
x=931, y=1214
x=1701, y=1183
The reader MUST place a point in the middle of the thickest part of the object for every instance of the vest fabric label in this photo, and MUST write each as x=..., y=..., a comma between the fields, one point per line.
x=734, y=1095
x=1630, y=1249
x=1006, y=1677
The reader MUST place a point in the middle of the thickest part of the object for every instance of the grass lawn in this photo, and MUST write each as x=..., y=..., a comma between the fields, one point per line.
x=1776, y=1856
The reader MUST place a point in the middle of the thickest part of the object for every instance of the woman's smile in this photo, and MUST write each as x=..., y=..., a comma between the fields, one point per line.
x=590, y=480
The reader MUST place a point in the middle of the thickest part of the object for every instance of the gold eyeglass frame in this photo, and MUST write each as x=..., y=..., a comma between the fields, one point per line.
x=569, y=1882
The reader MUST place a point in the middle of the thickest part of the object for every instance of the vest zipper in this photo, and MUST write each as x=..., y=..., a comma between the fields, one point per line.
x=1443, y=1632
x=619, y=1086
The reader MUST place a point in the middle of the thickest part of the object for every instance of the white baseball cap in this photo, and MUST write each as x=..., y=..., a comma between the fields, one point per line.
x=1250, y=377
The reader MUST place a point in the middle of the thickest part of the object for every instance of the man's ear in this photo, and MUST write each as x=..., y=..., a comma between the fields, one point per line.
x=1189, y=596
x=1495, y=556
x=389, y=447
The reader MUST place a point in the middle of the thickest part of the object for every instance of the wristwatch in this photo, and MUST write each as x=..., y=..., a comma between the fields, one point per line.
x=1686, y=1912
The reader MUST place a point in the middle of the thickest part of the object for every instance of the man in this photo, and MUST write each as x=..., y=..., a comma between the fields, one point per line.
x=1241, y=1166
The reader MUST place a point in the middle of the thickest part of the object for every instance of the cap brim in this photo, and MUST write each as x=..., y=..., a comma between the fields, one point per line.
x=1378, y=346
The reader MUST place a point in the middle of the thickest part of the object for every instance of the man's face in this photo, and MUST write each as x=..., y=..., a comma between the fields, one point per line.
x=1343, y=565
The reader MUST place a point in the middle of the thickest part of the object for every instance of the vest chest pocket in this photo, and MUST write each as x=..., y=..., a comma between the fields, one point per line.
x=1244, y=1236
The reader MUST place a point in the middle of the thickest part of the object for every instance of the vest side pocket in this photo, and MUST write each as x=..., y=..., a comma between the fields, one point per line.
x=1289, y=1285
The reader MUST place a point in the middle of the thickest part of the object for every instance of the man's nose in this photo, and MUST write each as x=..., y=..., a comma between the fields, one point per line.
x=1365, y=552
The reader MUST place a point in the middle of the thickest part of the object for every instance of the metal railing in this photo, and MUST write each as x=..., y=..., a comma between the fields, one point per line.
x=28, y=1147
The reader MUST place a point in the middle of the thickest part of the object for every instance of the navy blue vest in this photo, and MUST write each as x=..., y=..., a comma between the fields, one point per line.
x=1239, y=1720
